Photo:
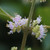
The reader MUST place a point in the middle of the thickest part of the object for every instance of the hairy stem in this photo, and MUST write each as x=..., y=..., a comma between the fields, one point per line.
x=26, y=33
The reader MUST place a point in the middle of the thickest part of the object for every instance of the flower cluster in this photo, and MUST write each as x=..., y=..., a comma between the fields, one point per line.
x=18, y=22
x=16, y=48
x=38, y=30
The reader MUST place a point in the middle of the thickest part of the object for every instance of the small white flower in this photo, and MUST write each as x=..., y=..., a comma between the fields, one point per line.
x=17, y=24
x=11, y=32
x=10, y=25
x=39, y=20
x=17, y=18
x=42, y=33
x=24, y=22
x=33, y=33
x=42, y=29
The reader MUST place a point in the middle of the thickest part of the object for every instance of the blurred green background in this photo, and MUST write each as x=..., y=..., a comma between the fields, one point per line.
x=22, y=7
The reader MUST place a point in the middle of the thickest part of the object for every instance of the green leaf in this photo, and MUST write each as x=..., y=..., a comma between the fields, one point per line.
x=4, y=15
x=13, y=7
x=3, y=12
x=44, y=12
x=8, y=11
x=46, y=42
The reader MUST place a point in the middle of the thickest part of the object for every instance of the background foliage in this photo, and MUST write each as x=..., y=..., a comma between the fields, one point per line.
x=17, y=6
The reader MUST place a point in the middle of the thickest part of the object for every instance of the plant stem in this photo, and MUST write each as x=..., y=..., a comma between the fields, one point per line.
x=31, y=11
x=46, y=26
x=24, y=40
x=26, y=33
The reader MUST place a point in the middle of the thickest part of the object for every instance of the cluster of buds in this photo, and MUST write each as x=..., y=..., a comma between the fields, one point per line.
x=18, y=23
x=38, y=30
x=28, y=48
x=15, y=48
